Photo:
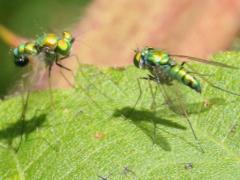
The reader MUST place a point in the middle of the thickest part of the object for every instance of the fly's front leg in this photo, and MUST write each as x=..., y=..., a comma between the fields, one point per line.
x=153, y=94
x=153, y=105
x=66, y=79
x=138, y=98
x=63, y=67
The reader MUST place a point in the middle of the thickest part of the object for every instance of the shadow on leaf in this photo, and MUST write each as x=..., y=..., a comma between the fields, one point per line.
x=21, y=128
x=137, y=116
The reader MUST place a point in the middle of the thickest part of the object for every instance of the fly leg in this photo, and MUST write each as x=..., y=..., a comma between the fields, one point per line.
x=22, y=118
x=50, y=54
x=50, y=85
x=63, y=67
x=71, y=84
x=63, y=75
x=191, y=127
x=153, y=107
x=92, y=83
x=138, y=98
x=153, y=94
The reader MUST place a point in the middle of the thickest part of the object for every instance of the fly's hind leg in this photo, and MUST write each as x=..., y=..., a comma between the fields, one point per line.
x=153, y=107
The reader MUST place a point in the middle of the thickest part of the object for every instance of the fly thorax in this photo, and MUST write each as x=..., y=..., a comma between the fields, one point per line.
x=161, y=74
x=47, y=40
x=49, y=61
x=49, y=58
x=157, y=58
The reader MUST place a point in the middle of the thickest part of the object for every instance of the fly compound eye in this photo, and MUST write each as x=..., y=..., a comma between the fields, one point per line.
x=137, y=58
x=21, y=61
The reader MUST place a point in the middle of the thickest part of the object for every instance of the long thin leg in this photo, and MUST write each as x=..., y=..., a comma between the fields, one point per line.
x=153, y=107
x=140, y=93
x=60, y=65
x=89, y=81
x=66, y=79
x=63, y=75
x=191, y=127
x=76, y=57
x=71, y=84
x=22, y=117
x=137, y=101
x=184, y=112
x=50, y=85
x=153, y=94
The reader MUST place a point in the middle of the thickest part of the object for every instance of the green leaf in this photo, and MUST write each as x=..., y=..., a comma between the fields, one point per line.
x=94, y=131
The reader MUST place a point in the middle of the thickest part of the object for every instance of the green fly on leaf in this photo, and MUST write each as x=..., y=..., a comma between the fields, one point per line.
x=169, y=71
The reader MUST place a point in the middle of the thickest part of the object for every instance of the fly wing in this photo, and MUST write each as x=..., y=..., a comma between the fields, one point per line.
x=214, y=63
x=174, y=100
x=29, y=78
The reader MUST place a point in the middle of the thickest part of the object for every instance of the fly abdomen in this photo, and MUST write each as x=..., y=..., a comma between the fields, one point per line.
x=179, y=73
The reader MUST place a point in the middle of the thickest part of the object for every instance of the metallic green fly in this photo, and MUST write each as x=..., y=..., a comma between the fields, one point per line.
x=54, y=49
x=47, y=49
x=166, y=70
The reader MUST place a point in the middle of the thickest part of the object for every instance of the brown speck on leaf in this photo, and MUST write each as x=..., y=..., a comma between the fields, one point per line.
x=99, y=135
x=206, y=103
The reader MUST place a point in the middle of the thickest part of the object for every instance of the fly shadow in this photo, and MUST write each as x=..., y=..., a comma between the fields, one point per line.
x=138, y=116
x=21, y=128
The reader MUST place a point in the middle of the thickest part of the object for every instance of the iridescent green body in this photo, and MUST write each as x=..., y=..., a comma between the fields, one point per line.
x=164, y=69
x=54, y=48
x=52, y=43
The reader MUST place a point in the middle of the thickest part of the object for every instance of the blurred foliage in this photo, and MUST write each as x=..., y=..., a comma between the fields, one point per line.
x=28, y=19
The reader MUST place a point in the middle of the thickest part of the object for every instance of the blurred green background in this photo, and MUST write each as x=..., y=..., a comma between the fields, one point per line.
x=30, y=18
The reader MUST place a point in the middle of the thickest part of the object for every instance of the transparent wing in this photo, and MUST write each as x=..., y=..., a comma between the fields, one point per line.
x=30, y=76
x=214, y=63
x=175, y=101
